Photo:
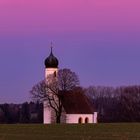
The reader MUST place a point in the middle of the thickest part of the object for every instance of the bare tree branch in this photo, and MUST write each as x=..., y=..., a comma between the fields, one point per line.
x=48, y=89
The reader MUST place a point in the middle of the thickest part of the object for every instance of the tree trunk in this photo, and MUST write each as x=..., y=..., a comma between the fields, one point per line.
x=58, y=119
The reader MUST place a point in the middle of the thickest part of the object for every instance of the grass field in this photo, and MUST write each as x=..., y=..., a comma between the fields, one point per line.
x=117, y=131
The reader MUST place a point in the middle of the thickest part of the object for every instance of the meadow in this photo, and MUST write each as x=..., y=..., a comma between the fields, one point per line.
x=118, y=131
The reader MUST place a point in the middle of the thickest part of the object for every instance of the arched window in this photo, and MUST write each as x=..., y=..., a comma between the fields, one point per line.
x=86, y=120
x=80, y=120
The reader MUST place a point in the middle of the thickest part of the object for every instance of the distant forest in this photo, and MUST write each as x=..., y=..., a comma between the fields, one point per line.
x=121, y=104
x=21, y=113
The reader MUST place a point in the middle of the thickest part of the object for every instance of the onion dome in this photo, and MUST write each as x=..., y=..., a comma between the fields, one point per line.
x=51, y=61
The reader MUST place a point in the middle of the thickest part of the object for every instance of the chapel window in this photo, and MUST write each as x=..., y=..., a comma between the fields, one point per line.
x=80, y=120
x=86, y=120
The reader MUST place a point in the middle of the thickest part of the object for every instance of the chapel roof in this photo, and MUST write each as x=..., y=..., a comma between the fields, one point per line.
x=76, y=103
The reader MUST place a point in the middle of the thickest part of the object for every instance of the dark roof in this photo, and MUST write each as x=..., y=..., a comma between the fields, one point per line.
x=51, y=61
x=76, y=103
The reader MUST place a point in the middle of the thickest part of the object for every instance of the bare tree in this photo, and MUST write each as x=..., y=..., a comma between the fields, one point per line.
x=51, y=92
x=67, y=80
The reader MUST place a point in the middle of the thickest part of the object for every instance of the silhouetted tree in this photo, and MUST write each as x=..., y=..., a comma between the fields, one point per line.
x=24, y=113
x=51, y=90
x=121, y=104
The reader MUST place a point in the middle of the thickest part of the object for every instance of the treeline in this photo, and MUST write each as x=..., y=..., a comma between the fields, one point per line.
x=21, y=113
x=121, y=104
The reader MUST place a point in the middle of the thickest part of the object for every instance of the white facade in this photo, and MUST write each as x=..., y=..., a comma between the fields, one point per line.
x=95, y=119
x=50, y=71
x=81, y=118
x=46, y=114
x=47, y=110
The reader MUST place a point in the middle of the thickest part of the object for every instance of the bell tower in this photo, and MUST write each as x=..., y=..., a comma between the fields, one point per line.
x=51, y=68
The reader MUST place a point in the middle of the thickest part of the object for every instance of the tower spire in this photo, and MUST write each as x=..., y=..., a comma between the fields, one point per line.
x=51, y=61
x=51, y=47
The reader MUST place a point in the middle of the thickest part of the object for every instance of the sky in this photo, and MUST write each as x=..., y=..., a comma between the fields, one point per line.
x=97, y=39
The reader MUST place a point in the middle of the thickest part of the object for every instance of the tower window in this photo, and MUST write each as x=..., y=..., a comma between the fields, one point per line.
x=55, y=74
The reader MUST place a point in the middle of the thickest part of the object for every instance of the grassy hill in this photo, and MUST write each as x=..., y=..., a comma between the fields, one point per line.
x=130, y=131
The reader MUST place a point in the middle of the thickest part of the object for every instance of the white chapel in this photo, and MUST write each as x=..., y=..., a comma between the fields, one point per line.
x=76, y=106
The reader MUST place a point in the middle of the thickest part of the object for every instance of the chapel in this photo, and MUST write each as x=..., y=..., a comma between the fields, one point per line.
x=76, y=106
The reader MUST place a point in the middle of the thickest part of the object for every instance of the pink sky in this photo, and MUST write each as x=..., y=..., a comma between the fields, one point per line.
x=105, y=31
x=28, y=16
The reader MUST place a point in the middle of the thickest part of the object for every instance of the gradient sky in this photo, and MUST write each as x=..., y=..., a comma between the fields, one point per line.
x=98, y=39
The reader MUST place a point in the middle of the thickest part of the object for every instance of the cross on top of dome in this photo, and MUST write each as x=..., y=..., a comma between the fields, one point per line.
x=51, y=61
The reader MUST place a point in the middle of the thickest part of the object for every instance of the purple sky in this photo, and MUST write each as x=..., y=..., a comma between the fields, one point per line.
x=98, y=39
